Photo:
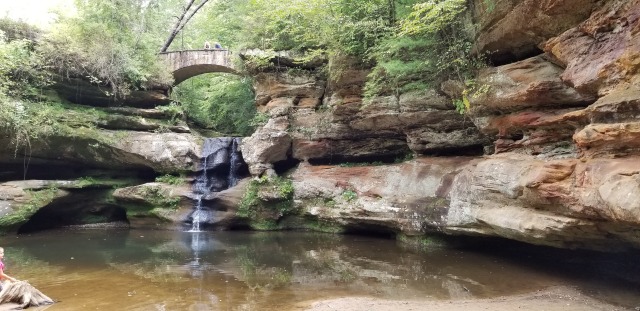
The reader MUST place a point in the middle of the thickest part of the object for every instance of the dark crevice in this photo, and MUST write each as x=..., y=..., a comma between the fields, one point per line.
x=500, y=58
x=371, y=230
x=282, y=167
x=10, y=172
x=336, y=160
x=80, y=207
x=474, y=150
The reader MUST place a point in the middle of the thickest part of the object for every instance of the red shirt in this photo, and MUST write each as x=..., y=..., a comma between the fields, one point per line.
x=1, y=266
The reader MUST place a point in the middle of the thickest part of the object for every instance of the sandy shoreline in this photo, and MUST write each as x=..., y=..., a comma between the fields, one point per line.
x=552, y=299
x=558, y=298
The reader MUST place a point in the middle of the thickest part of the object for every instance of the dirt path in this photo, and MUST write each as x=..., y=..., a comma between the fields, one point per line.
x=553, y=299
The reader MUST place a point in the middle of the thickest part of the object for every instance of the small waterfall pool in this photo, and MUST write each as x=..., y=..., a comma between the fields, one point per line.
x=220, y=168
x=171, y=270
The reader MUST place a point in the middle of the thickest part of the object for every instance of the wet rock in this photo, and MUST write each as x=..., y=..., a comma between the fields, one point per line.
x=407, y=198
x=19, y=200
x=155, y=205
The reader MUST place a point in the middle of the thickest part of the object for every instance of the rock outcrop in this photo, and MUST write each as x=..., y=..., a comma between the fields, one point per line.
x=564, y=125
x=510, y=30
x=551, y=144
x=330, y=121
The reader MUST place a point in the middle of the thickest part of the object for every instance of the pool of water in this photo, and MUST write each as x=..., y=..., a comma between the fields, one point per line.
x=164, y=270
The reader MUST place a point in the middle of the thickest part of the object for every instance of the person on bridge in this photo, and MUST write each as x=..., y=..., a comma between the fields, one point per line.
x=207, y=45
x=217, y=45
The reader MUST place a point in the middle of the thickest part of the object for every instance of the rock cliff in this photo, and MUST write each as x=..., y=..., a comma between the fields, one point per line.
x=553, y=141
x=548, y=154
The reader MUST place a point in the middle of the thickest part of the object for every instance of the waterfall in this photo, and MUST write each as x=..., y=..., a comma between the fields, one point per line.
x=220, y=168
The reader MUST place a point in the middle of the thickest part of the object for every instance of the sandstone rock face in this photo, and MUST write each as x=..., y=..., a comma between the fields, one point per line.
x=345, y=128
x=82, y=92
x=561, y=203
x=409, y=198
x=526, y=107
x=22, y=199
x=283, y=89
x=163, y=152
x=602, y=52
x=566, y=168
x=511, y=30
x=266, y=146
x=532, y=83
x=155, y=205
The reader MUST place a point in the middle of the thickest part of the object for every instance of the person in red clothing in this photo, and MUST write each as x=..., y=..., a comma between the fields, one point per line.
x=4, y=276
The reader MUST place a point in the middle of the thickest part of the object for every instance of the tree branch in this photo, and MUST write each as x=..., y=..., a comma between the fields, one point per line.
x=176, y=27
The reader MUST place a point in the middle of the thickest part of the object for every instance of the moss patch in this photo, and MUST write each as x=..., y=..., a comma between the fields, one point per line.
x=266, y=201
x=21, y=213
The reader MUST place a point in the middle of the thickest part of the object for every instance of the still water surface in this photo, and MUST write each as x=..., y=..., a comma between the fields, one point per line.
x=164, y=270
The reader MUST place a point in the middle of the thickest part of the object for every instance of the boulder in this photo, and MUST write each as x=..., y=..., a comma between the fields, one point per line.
x=155, y=205
x=267, y=145
x=531, y=83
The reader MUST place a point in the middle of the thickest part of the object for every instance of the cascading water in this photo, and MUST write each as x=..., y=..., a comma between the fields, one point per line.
x=221, y=168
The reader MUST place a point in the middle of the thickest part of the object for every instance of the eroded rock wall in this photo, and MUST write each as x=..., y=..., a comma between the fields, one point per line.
x=558, y=120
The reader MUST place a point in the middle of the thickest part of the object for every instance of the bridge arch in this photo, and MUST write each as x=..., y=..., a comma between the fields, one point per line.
x=190, y=63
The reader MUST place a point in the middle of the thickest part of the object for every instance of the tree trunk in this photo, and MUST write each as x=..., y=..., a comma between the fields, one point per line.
x=391, y=5
x=176, y=27
x=191, y=15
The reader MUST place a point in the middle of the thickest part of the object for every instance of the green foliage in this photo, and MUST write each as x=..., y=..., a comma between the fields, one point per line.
x=171, y=179
x=490, y=5
x=323, y=226
x=432, y=16
x=261, y=210
x=349, y=195
x=407, y=157
x=23, y=73
x=174, y=110
x=159, y=197
x=113, y=43
x=431, y=46
x=18, y=30
x=259, y=119
x=101, y=182
x=358, y=164
x=220, y=102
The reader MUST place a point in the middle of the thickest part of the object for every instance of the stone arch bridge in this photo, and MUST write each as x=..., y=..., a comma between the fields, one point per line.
x=190, y=63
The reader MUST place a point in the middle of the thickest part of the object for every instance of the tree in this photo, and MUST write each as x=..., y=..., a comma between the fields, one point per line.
x=183, y=19
x=112, y=43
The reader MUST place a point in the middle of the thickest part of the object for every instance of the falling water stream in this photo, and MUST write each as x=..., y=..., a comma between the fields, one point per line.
x=220, y=168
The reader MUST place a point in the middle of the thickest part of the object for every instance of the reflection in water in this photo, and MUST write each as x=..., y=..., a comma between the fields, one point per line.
x=145, y=270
